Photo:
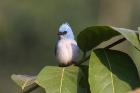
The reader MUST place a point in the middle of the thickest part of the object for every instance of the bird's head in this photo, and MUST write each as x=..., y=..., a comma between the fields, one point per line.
x=65, y=31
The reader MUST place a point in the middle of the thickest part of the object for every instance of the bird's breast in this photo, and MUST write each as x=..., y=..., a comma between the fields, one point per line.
x=67, y=51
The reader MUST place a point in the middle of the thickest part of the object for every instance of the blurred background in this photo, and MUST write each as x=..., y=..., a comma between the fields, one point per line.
x=28, y=31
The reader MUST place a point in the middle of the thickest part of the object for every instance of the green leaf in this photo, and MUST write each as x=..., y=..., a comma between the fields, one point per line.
x=92, y=36
x=139, y=32
x=84, y=81
x=60, y=79
x=111, y=71
x=130, y=35
x=24, y=81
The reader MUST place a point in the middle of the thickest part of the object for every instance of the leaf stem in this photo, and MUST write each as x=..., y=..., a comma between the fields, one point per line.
x=31, y=89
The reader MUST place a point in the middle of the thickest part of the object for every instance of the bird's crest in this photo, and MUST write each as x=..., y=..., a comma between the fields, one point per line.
x=66, y=27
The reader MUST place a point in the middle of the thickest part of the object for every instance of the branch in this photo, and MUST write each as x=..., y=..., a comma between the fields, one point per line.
x=83, y=60
x=115, y=43
x=31, y=89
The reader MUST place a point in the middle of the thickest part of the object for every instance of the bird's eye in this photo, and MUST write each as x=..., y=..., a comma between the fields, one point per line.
x=62, y=33
x=65, y=32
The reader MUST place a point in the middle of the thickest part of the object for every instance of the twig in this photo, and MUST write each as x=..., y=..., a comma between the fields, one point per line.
x=83, y=60
x=115, y=43
x=31, y=89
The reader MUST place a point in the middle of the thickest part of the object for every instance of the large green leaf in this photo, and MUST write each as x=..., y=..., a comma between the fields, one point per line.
x=60, y=79
x=95, y=35
x=24, y=81
x=84, y=81
x=111, y=71
x=130, y=35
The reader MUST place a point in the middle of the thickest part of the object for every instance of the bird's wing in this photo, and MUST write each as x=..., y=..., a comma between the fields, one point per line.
x=75, y=50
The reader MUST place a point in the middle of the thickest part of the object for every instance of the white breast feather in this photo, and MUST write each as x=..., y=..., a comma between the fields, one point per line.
x=67, y=51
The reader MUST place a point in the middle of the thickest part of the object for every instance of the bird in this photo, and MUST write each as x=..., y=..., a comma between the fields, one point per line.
x=66, y=48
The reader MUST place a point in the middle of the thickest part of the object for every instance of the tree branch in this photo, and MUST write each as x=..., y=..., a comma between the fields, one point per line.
x=31, y=89
x=83, y=60
x=115, y=43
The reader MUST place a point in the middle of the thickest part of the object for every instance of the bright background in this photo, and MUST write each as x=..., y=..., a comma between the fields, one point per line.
x=28, y=30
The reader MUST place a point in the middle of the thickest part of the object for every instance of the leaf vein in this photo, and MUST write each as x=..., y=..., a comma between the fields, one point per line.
x=110, y=72
x=61, y=81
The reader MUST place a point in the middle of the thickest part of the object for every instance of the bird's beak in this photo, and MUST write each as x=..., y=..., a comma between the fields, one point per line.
x=60, y=33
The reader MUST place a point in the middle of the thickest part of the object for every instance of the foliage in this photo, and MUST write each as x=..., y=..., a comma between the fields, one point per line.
x=65, y=79
x=108, y=71
x=24, y=80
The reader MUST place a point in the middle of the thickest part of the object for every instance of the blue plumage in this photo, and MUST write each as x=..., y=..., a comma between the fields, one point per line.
x=66, y=27
x=66, y=49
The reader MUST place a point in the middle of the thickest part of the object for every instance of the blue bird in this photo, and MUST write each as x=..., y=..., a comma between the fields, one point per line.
x=66, y=49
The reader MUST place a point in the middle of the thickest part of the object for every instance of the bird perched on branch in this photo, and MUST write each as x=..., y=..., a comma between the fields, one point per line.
x=66, y=49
